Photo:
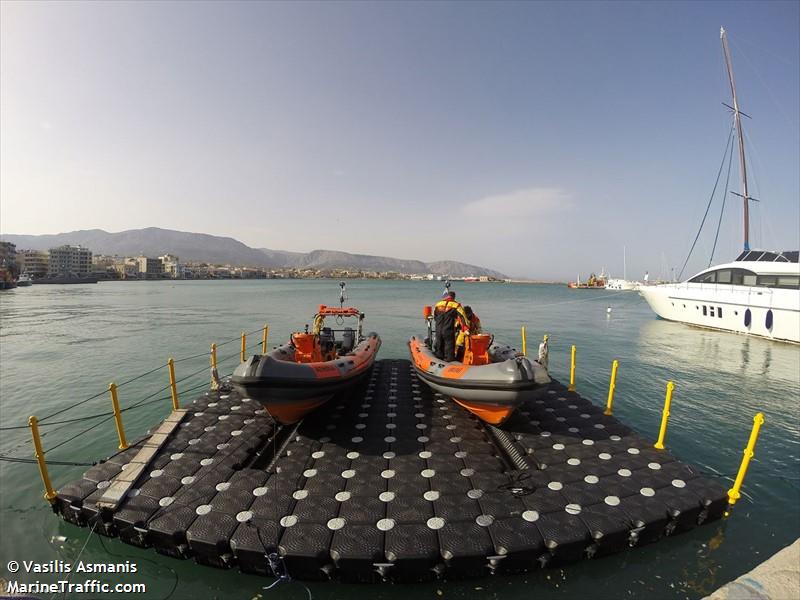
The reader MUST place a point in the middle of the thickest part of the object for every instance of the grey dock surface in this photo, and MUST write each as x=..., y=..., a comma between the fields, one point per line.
x=393, y=482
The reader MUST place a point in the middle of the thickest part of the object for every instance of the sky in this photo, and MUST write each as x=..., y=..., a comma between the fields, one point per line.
x=544, y=140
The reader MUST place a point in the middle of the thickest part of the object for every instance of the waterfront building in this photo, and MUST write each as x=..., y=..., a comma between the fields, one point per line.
x=150, y=268
x=103, y=266
x=9, y=269
x=70, y=261
x=127, y=268
x=35, y=263
x=172, y=266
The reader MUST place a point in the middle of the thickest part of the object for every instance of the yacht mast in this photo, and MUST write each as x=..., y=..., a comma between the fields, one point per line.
x=624, y=265
x=738, y=121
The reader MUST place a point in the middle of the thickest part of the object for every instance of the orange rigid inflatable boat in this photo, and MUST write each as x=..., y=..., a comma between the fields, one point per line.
x=297, y=377
x=490, y=382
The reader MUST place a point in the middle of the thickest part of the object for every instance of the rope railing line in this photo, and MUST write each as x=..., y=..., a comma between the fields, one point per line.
x=59, y=463
x=180, y=360
x=239, y=337
x=80, y=433
x=63, y=410
x=147, y=400
x=13, y=427
x=136, y=378
x=143, y=402
x=145, y=374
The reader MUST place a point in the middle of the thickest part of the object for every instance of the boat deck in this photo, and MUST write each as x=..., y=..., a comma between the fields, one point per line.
x=394, y=483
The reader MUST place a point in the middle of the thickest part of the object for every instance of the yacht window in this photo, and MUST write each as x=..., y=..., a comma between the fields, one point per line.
x=719, y=312
x=748, y=278
x=767, y=281
x=710, y=277
x=711, y=310
x=791, y=282
x=768, y=257
x=724, y=276
x=705, y=310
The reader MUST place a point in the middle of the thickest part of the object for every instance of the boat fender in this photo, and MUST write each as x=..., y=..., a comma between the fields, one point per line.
x=544, y=354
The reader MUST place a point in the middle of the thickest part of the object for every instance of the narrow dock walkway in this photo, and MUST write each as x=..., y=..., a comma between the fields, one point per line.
x=395, y=483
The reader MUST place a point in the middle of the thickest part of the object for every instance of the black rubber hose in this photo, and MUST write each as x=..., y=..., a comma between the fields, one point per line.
x=505, y=443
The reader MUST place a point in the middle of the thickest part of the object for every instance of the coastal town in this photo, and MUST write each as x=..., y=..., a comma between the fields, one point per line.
x=77, y=264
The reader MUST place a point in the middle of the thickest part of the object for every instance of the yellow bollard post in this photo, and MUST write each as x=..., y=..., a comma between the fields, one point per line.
x=49, y=492
x=571, y=387
x=665, y=416
x=213, y=356
x=612, y=385
x=264, y=337
x=244, y=347
x=123, y=443
x=173, y=385
x=734, y=492
x=524, y=342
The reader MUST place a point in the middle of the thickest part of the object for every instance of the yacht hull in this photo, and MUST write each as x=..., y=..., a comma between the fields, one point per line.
x=758, y=311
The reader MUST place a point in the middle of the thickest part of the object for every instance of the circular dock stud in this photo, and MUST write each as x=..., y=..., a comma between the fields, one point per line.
x=385, y=524
x=531, y=516
x=435, y=523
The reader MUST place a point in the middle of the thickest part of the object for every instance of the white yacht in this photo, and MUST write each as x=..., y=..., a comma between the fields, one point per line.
x=621, y=284
x=757, y=294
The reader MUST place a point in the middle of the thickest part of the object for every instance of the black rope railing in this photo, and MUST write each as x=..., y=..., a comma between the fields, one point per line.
x=43, y=421
x=106, y=416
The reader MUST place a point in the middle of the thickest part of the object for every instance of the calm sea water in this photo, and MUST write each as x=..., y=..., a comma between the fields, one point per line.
x=60, y=344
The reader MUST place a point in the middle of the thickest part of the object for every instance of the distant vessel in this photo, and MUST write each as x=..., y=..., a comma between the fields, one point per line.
x=24, y=280
x=757, y=294
x=595, y=282
x=622, y=284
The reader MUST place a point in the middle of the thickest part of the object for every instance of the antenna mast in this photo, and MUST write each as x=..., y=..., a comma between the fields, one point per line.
x=738, y=121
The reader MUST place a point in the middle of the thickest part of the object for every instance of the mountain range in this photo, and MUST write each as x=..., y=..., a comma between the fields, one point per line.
x=153, y=241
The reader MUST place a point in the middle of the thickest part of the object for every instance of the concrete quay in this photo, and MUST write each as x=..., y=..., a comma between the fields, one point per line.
x=777, y=578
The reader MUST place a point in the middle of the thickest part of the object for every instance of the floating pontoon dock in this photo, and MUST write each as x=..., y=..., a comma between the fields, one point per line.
x=393, y=483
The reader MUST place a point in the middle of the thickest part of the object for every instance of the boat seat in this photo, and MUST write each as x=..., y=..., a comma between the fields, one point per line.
x=327, y=344
x=348, y=340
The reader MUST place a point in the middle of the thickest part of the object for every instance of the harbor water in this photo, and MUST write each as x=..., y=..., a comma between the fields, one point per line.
x=60, y=345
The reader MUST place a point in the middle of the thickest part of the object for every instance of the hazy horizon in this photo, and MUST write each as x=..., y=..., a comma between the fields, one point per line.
x=537, y=139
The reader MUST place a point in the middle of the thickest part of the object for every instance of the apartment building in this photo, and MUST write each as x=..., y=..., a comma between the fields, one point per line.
x=35, y=263
x=70, y=261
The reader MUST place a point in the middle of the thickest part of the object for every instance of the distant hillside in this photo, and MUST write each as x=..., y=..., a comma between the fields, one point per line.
x=151, y=241
x=334, y=259
x=154, y=241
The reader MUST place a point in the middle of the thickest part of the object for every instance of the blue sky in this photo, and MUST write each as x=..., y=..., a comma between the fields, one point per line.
x=535, y=138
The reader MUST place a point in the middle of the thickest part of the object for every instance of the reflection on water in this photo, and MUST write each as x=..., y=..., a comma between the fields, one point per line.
x=704, y=351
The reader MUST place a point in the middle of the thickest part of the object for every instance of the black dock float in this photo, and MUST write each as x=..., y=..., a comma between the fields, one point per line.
x=396, y=483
